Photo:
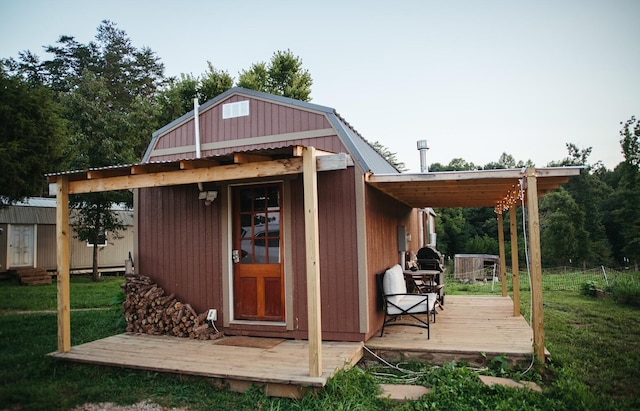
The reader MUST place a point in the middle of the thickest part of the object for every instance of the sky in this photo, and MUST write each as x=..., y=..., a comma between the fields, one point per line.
x=474, y=78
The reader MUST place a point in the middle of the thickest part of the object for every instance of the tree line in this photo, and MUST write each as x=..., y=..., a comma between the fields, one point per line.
x=97, y=104
x=592, y=220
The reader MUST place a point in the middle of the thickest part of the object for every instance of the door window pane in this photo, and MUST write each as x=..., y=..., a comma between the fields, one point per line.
x=260, y=225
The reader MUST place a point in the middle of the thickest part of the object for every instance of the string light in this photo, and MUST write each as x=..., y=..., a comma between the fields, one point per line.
x=513, y=196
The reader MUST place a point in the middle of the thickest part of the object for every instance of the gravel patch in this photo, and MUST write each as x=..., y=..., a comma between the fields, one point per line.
x=141, y=406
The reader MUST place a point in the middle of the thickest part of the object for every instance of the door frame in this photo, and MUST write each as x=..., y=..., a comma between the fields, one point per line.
x=290, y=321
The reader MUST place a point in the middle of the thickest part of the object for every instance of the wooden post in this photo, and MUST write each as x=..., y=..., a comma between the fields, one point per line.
x=310, y=179
x=63, y=262
x=513, y=228
x=503, y=257
x=535, y=263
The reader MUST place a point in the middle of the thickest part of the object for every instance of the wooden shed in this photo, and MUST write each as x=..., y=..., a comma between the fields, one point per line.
x=238, y=246
x=278, y=214
x=28, y=239
x=476, y=267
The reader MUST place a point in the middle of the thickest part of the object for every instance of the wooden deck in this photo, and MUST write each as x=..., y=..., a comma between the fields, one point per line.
x=468, y=329
x=281, y=366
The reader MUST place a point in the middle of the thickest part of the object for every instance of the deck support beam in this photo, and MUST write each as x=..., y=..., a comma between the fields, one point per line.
x=515, y=267
x=503, y=258
x=535, y=264
x=311, y=228
x=64, y=265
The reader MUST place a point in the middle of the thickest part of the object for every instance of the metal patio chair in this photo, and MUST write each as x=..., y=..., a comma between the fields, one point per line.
x=397, y=302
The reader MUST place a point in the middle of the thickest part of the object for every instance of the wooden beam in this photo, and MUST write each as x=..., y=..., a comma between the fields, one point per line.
x=244, y=158
x=515, y=266
x=535, y=264
x=330, y=162
x=298, y=151
x=64, y=265
x=107, y=172
x=200, y=175
x=503, y=258
x=212, y=173
x=198, y=163
x=311, y=228
x=153, y=168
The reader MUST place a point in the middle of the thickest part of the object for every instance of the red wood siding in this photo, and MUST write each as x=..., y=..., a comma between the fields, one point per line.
x=180, y=249
x=384, y=215
x=180, y=245
x=338, y=256
x=265, y=119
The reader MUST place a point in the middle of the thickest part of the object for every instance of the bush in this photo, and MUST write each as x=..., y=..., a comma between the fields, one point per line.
x=626, y=289
x=590, y=288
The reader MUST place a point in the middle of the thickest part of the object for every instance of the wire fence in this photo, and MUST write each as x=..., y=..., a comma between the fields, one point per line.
x=554, y=279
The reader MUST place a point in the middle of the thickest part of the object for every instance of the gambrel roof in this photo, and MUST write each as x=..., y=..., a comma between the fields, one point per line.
x=360, y=150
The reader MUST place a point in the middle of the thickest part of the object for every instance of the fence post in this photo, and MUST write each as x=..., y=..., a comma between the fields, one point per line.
x=606, y=280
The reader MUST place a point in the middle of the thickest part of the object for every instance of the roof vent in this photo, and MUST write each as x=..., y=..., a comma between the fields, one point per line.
x=232, y=110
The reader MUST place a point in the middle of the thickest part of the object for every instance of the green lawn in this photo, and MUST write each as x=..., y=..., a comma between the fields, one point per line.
x=84, y=294
x=595, y=347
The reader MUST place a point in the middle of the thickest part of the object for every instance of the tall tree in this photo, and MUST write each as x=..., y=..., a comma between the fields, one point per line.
x=177, y=99
x=33, y=135
x=452, y=231
x=625, y=202
x=283, y=76
x=563, y=237
x=589, y=193
x=97, y=142
x=507, y=161
x=456, y=164
x=108, y=88
x=132, y=76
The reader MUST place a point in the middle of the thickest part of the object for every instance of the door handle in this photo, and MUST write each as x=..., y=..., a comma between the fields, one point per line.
x=235, y=256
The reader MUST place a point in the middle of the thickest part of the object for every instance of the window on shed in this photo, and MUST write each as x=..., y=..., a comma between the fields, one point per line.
x=102, y=239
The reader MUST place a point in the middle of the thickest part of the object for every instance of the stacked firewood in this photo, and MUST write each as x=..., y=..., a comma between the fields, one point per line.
x=149, y=311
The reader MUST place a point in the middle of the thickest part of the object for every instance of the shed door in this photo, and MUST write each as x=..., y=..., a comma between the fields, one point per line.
x=21, y=246
x=257, y=253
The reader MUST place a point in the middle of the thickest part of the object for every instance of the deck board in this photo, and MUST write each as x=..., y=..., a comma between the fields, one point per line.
x=469, y=328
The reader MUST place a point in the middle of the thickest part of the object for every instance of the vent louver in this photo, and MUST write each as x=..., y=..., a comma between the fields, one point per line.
x=232, y=110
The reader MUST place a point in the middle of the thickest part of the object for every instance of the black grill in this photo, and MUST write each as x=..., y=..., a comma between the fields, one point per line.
x=428, y=258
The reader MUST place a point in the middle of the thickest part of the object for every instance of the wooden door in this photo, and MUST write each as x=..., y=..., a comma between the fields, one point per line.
x=257, y=253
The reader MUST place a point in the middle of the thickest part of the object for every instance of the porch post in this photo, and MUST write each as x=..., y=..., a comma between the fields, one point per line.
x=310, y=180
x=63, y=262
x=513, y=228
x=503, y=258
x=535, y=263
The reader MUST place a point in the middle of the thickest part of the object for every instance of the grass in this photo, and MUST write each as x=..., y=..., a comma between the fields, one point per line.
x=84, y=294
x=595, y=346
